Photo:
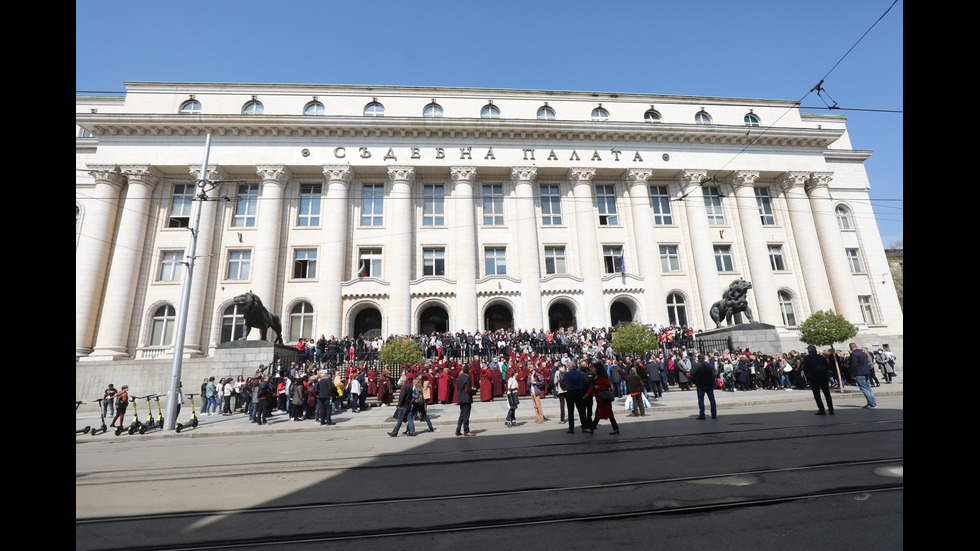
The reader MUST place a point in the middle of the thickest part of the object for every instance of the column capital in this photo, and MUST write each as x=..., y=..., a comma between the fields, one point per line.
x=692, y=177
x=524, y=173
x=214, y=172
x=793, y=179
x=107, y=174
x=338, y=174
x=144, y=174
x=581, y=175
x=819, y=180
x=401, y=173
x=465, y=173
x=743, y=178
x=638, y=176
x=273, y=173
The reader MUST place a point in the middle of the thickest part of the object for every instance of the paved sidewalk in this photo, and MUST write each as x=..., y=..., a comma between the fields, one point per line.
x=674, y=403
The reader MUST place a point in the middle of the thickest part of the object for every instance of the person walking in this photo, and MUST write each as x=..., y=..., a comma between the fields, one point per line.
x=464, y=391
x=634, y=386
x=419, y=402
x=512, y=398
x=605, y=396
x=860, y=366
x=817, y=372
x=703, y=376
x=538, y=386
x=122, y=402
x=404, y=409
x=574, y=381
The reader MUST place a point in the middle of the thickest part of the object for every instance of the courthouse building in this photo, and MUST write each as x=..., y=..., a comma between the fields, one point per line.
x=400, y=210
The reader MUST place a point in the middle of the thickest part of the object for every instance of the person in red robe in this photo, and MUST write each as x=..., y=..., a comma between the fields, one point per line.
x=522, y=380
x=486, y=384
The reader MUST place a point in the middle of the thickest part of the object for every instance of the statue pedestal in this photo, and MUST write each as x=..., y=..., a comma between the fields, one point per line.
x=243, y=357
x=756, y=337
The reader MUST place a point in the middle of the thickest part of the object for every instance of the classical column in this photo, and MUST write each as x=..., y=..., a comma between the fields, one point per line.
x=195, y=341
x=832, y=247
x=398, y=256
x=706, y=272
x=333, y=252
x=590, y=258
x=95, y=239
x=268, y=257
x=647, y=253
x=756, y=247
x=124, y=270
x=528, y=257
x=807, y=246
x=464, y=248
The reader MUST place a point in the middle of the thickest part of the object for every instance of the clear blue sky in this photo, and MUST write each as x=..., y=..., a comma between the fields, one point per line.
x=771, y=49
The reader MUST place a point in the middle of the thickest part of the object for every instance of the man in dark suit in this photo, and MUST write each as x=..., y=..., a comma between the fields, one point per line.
x=404, y=411
x=703, y=376
x=325, y=393
x=816, y=369
x=464, y=390
x=860, y=366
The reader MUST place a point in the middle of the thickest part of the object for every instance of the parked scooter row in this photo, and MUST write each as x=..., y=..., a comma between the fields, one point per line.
x=136, y=426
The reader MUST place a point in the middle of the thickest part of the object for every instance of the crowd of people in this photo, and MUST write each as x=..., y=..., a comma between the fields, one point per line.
x=578, y=368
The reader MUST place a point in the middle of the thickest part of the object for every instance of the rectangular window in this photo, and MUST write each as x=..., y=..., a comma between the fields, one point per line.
x=372, y=204
x=433, y=205
x=495, y=260
x=246, y=205
x=180, y=207
x=370, y=263
x=239, y=263
x=867, y=312
x=723, y=258
x=854, y=260
x=712, y=204
x=171, y=265
x=434, y=262
x=776, y=258
x=304, y=265
x=606, y=200
x=669, y=259
x=493, y=205
x=554, y=260
x=764, y=201
x=550, y=206
x=612, y=256
x=309, y=205
x=660, y=201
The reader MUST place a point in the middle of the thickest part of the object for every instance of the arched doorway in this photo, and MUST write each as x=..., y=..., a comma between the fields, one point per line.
x=620, y=314
x=560, y=315
x=367, y=322
x=498, y=316
x=433, y=319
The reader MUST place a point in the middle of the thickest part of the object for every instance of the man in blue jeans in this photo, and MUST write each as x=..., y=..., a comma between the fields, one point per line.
x=703, y=376
x=404, y=411
x=861, y=371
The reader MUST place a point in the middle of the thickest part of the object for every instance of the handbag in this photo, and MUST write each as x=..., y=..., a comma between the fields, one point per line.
x=607, y=396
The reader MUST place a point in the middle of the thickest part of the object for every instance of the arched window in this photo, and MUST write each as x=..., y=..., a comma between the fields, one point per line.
x=702, y=117
x=232, y=325
x=314, y=108
x=301, y=322
x=786, y=308
x=253, y=107
x=751, y=120
x=676, y=311
x=162, y=326
x=374, y=109
x=190, y=107
x=433, y=110
x=490, y=111
x=599, y=114
x=546, y=113
x=843, y=218
x=652, y=116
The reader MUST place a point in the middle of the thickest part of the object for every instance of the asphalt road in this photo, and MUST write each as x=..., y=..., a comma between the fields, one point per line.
x=770, y=476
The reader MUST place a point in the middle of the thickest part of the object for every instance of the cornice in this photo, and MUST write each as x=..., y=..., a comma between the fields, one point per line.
x=138, y=125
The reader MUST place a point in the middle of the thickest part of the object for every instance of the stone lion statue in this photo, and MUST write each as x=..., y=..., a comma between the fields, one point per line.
x=732, y=304
x=257, y=316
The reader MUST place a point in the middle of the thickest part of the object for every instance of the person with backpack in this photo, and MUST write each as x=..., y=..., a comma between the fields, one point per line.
x=404, y=411
x=419, y=401
x=815, y=369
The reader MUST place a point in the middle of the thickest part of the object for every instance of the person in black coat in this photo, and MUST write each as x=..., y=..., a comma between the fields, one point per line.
x=816, y=369
x=464, y=391
x=703, y=376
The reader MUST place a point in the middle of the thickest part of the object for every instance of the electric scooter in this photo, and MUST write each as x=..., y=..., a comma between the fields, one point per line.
x=102, y=414
x=86, y=429
x=156, y=397
x=193, y=419
x=150, y=421
x=135, y=425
